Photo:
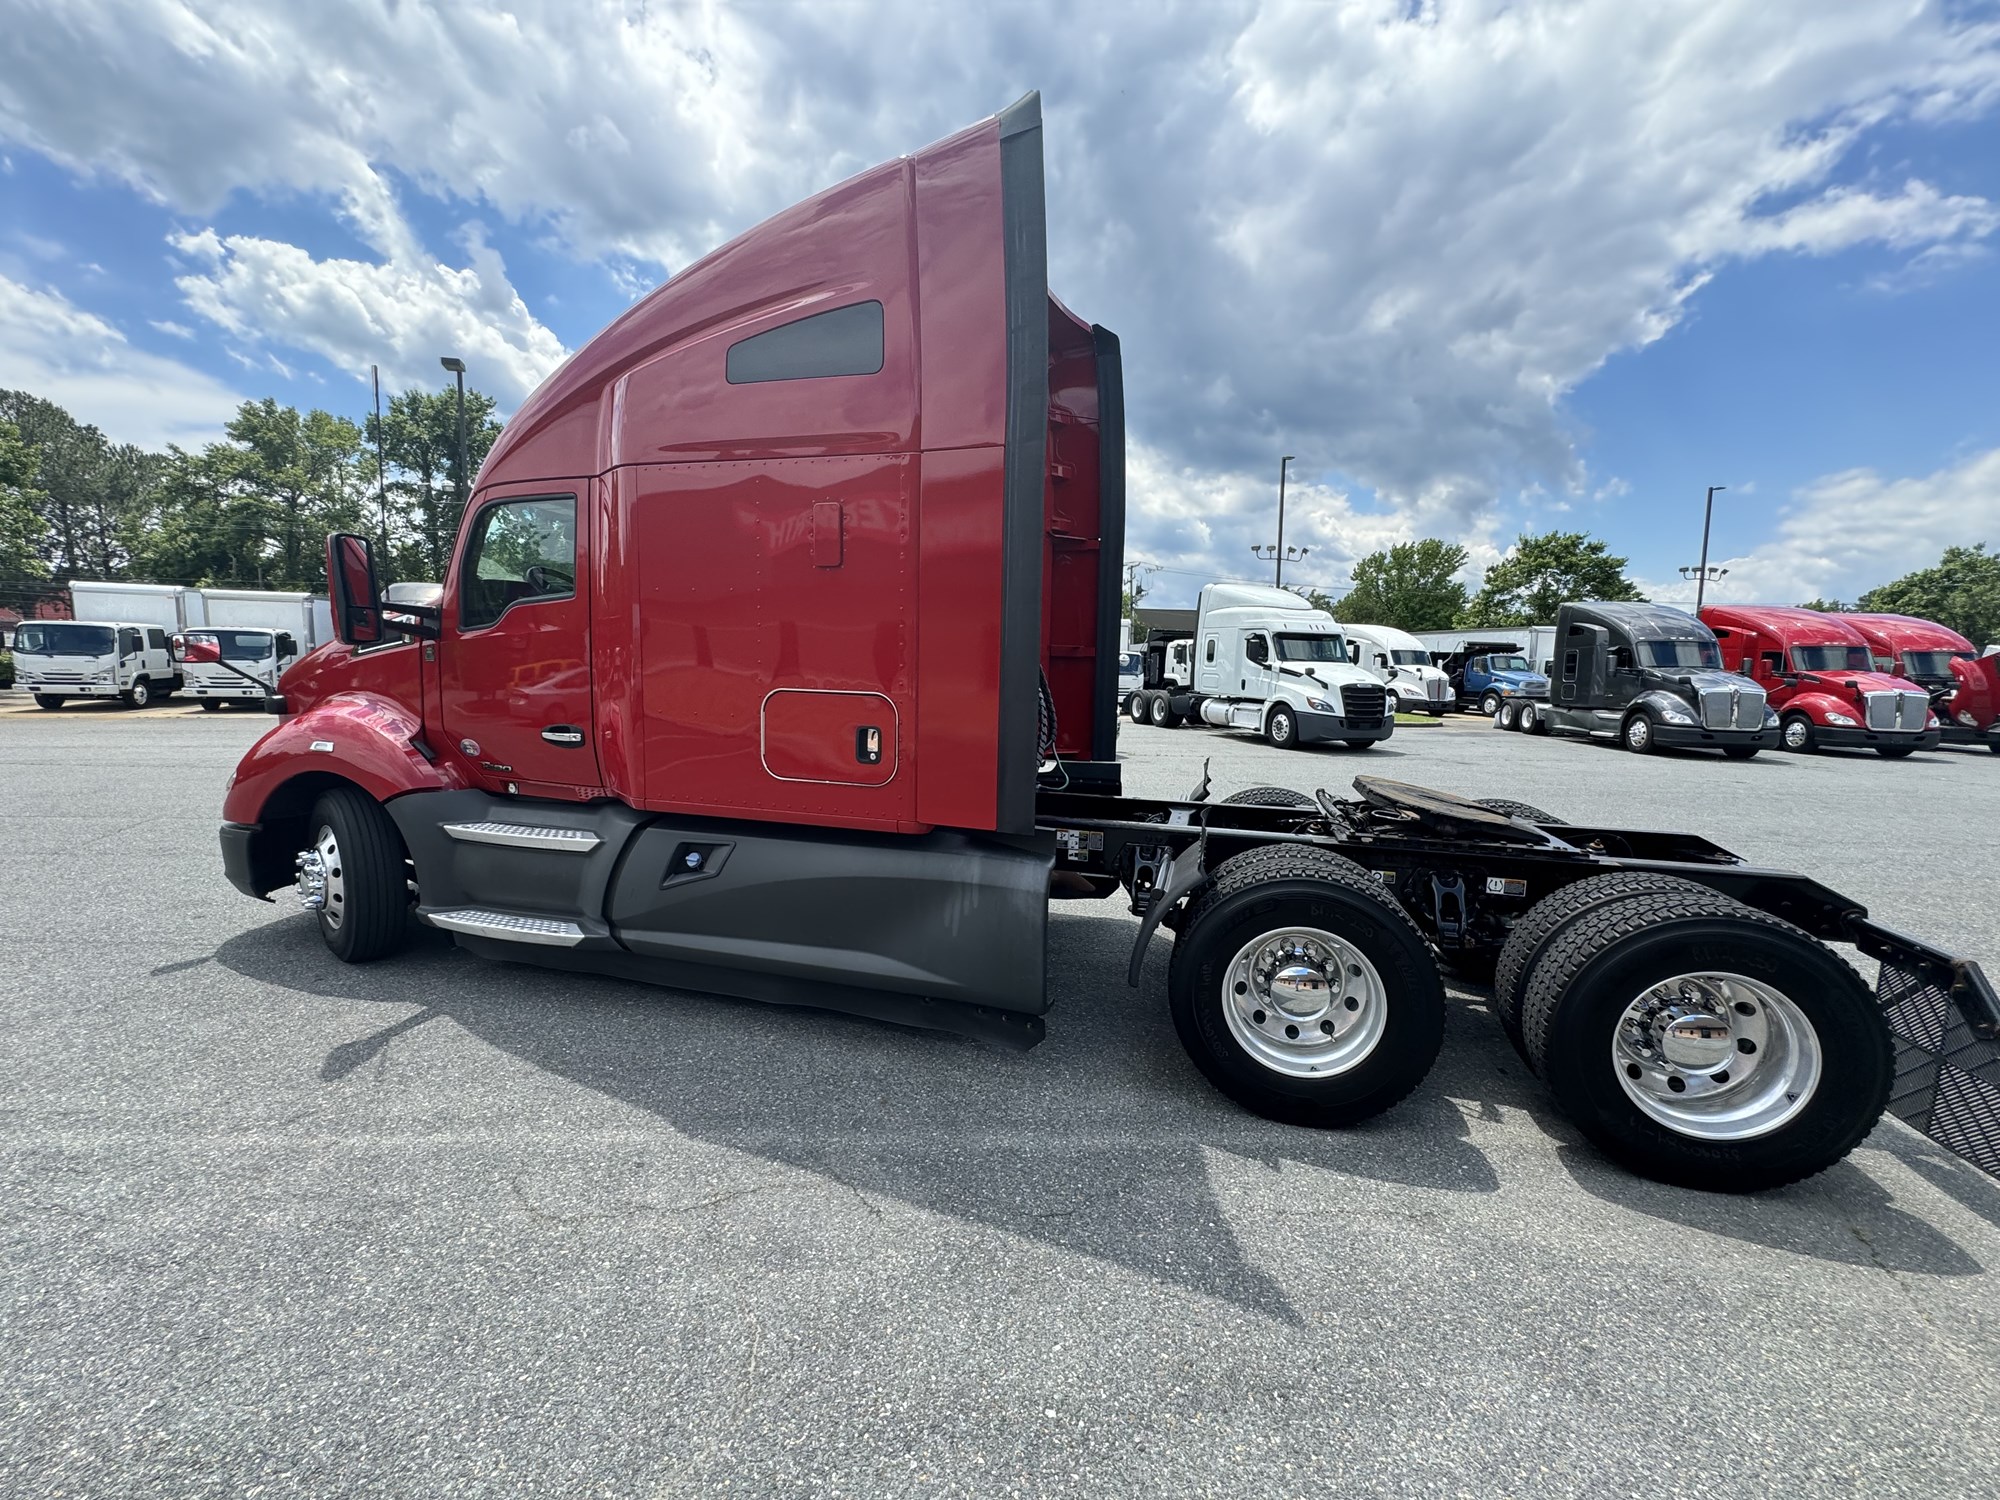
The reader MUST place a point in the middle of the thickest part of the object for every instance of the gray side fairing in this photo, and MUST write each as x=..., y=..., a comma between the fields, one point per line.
x=946, y=930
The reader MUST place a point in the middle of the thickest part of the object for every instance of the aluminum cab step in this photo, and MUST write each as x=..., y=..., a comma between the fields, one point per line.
x=508, y=927
x=522, y=836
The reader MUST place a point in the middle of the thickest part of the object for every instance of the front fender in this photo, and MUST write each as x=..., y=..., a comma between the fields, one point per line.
x=1657, y=702
x=359, y=737
x=1816, y=706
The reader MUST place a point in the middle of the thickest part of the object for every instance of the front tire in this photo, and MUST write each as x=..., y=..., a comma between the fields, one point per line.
x=1281, y=729
x=1797, y=734
x=139, y=694
x=358, y=857
x=50, y=700
x=1302, y=991
x=1708, y=1045
x=1637, y=735
x=1490, y=704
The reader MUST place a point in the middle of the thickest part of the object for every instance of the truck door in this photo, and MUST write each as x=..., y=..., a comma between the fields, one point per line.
x=1209, y=671
x=131, y=655
x=514, y=653
x=1255, y=678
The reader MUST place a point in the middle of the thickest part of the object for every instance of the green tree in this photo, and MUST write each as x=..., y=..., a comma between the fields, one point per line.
x=24, y=534
x=1827, y=606
x=1962, y=592
x=1409, y=586
x=419, y=436
x=1542, y=573
x=87, y=487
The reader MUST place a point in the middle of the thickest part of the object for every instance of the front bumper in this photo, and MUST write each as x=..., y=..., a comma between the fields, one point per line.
x=237, y=690
x=1320, y=729
x=1963, y=734
x=1694, y=737
x=70, y=689
x=1834, y=737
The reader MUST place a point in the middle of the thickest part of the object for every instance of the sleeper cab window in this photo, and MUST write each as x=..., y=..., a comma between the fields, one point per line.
x=522, y=551
x=845, y=341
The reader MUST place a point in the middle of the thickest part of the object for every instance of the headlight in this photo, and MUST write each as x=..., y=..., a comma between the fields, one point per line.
x=1833, y=718
x=1320, y=705
x=1770, y=718
x=1676, y=716
x=1508, y=692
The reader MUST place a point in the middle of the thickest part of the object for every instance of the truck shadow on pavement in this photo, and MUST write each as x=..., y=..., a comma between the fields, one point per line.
x=1103, y=1141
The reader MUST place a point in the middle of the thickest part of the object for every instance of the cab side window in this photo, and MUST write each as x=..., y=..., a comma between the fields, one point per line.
x=521, y=552
x=156, y=640
x=128, y=643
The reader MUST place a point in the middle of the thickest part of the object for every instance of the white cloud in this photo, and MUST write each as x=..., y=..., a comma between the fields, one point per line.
x=1847, y=532
x=1388, y=237
x=56, y=350
x=402, y=313
x=170, y=328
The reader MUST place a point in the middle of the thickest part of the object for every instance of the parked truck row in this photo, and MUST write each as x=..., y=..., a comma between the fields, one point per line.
x=138, y=642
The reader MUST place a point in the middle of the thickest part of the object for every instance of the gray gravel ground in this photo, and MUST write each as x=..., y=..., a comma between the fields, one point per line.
x=274, y=1226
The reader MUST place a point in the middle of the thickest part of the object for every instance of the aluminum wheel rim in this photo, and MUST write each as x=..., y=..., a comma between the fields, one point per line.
x=322, y=882
x=1638, y=732
x=1304, y=1003
x=1716, y=1057
x=1281, y=727
x=1795, y=735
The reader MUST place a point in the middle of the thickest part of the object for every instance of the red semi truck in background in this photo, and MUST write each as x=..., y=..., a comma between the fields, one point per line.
x=1964, y=687
x=1817, y=673
x=777, y=657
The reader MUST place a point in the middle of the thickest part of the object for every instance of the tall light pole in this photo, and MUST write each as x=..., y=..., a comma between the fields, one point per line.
x=459, y=367
x=1283, y=463
x=381, y=462
x=1701, y=578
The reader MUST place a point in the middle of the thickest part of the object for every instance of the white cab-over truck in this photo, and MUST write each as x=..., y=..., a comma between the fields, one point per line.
x=256, y=635
x=1264, y=660
x=1403, y=662
x=57, y=660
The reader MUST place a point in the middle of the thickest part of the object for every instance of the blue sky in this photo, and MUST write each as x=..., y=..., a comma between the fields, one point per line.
x=1483, y=266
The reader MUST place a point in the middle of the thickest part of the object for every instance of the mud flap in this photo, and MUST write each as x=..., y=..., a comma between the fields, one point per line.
x=1188, y=870
x=1946, y=1026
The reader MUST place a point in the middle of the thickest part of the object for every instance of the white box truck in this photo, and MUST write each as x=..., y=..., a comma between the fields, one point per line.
x=1262, y=659
x=57, y=660
x=1402, y=661
x=253, y=636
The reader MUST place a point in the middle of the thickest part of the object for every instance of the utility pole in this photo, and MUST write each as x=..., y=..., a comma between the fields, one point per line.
x=457, y=367
x=1283, y=464
x=381, y=463
x=1701, y=578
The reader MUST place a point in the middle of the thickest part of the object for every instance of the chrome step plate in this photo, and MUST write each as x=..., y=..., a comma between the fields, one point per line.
x=508, y=927
x=521, y=836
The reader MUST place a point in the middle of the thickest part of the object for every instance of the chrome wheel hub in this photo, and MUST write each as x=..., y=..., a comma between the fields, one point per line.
x=1638, y=732
x=320, y=883
x=1303, y=1002
x=1718, y=1057
x=1795, y=735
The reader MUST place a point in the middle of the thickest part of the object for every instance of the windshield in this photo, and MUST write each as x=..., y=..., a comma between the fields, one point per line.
x=1508, y=664
x=1311, y=648
x=62, y=638
x=1410, y=658
x=1129, y=662
x=238, y=645
x=1832, y=659
x=1680, y=654
x=1932, y=663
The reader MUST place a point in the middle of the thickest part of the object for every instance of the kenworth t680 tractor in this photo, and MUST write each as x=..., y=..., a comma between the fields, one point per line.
x=777, y=657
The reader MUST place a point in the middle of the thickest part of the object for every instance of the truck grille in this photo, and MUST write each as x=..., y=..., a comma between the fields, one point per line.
x=64, y=677
x=1732, y=708
x=1897, y=710
x=1435, y=690
x=1364, y=702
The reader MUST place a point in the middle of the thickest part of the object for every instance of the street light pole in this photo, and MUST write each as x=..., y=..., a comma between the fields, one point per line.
x=1279, y=550
x=457, y=367
x=1701, y=578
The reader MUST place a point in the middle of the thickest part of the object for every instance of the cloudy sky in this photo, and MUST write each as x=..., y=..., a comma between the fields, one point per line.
x=1482, y=266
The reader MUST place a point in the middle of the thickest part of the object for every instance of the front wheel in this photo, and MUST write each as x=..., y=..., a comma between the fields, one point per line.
x=1302, y=991
x=50, y=700
x=1797, y=733
x=1707, y=1045
x=1637, y=735
x=353, y=877
x=139, y=694
x=1490, y=704
x=1281, y=729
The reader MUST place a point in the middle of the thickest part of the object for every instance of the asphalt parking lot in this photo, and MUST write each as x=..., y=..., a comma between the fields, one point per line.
x=439, y=1226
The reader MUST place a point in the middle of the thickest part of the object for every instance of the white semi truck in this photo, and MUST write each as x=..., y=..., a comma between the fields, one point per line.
x=1264, y=660
x=1402, y=661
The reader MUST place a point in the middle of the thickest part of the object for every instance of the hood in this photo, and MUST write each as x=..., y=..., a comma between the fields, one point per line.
x=1520, y=679
x=1704, y=680
x=1329, y=674
x=1976, y=699
x=1864, y=682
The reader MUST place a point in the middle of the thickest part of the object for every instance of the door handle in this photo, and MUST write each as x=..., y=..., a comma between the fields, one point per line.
x=563, y=734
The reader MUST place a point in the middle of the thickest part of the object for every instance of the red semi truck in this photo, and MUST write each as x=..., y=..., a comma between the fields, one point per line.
x=778, y=657
x=1964, y=687
x=1817, y=673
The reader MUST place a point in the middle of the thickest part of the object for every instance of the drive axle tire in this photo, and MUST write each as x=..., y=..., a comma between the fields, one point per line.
x=1510, y=715
x=1281, y=729
x=1637, y=735
x=1303, y=991
x=1708, y=1045
x=1534, y=720
x=1135, y=707
x=365, y=911
x=1797, y=733
x=1490, y=704
x=50, y=700
x=1269, y=796
x=1550, y=917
